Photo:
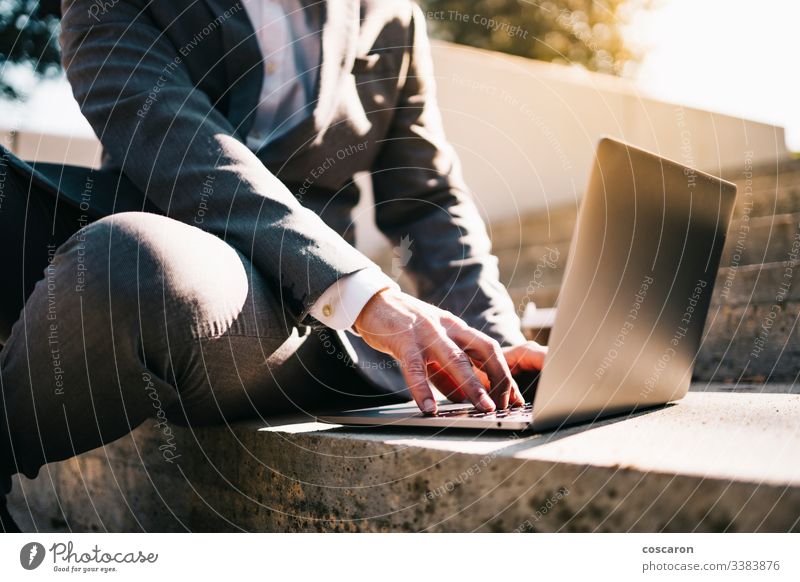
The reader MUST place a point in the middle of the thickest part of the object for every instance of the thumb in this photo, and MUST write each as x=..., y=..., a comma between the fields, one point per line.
x=527, y=356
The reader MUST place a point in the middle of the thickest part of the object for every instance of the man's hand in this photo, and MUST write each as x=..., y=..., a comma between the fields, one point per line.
x=521, y=358
x=433, y=344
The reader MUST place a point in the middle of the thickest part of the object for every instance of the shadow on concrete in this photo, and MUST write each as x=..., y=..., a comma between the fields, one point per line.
x=517, y=440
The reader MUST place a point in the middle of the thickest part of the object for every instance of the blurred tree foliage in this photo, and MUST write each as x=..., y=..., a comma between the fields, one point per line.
x=28, y=35
x=585, y=32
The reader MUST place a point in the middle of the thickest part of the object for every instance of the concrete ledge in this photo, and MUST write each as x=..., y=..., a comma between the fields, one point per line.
x=713, y=462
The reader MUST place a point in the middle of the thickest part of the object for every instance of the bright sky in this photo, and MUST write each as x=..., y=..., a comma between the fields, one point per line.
x=734, y=56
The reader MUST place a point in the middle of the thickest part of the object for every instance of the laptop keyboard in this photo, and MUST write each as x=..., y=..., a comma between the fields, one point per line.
x=509, y=413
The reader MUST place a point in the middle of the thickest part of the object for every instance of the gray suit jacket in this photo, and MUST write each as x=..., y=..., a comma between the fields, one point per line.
x=171, y=88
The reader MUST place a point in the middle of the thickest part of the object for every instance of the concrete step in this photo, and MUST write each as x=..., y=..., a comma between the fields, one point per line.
x=763, y=175
x=751, y=333
x=769, y=191
x=541, y=258
x=533, y=266
x=762, y=239
x=554, y=225
x=712, y=462
x=744, y=284
x=750, y=242
x=758, y=284
x=756, y=342
x=784, y=200
x=755, y=241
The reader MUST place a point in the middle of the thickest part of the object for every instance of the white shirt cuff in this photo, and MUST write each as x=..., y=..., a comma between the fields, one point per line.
x=341, y=303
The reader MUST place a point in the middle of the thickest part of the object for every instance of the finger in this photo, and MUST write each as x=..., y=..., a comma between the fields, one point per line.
x=488, y=356
x=458, y=366
x=444, y=383
x=481, y=376
x=416, y=377
x=516, y=399
x=527, y=356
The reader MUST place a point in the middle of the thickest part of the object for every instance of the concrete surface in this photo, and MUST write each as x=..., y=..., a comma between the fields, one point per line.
x=713, y=462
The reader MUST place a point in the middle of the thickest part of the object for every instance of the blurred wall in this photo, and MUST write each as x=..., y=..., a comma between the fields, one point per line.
x=80, y=150
x=526, y=130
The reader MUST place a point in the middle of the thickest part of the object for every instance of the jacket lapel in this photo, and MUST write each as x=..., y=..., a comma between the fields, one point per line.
x=339, y=40
x=242, y=59
x=245, y=74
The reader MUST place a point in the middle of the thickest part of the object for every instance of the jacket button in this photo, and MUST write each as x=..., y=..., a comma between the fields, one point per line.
x=327, y=310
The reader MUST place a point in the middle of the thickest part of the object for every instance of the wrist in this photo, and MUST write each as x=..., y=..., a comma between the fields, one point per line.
x=370, y=306
x=339, y=305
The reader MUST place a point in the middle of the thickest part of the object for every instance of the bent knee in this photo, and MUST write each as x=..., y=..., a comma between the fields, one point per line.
x=162, y=266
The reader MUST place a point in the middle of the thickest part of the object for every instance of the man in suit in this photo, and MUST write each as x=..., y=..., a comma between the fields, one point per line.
x=207, y=272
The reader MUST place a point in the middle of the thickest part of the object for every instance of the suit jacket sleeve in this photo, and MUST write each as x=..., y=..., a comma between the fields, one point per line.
x=420, y=194
x=175, y=146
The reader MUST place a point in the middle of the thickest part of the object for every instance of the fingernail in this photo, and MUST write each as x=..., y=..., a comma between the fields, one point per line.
x=486, y=403
x=428, y=406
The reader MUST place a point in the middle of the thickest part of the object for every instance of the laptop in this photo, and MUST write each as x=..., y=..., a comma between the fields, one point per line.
x=632, y=306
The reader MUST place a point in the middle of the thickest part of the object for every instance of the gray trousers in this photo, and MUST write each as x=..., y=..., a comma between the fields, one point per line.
x=107, y=323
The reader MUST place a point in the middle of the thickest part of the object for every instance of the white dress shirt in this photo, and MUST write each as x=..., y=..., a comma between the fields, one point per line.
x=289, y=39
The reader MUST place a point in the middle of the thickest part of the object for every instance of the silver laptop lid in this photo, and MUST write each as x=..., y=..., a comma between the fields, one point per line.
x=637, y=287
